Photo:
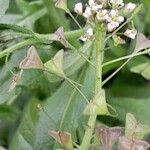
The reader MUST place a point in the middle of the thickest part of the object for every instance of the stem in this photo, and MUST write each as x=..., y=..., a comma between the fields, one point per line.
x=18, y=46
x=70, y=14
x=99, y=45
x=40, y=38
x=126, y=57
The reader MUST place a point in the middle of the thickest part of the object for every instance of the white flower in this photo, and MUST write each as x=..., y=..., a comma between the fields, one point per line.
x=91, y=2
x=96, y=8
x=111, y=26
x=102, y=15
x=78, y=8
x=114, y=17
x=114, y=13
x=120, y=19
x=88, y=13
x=129, y=7
x=89, y=32
x=130, y=33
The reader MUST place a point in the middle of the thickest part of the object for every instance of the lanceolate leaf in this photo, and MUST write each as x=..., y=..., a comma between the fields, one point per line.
x=65, y=107
x=25, y=134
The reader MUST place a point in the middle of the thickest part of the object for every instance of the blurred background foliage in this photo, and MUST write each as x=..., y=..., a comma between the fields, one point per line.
x=22, y=126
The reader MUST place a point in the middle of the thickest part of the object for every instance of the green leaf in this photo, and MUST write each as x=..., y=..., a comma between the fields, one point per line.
x=25, y=134
x=4, y=4
x=138, y=107
x=141, y=65
x=65, y=110
x=8, y=113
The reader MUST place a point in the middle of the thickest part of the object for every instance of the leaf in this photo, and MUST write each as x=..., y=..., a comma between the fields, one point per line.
x=32, y=60
x=8, y=113
x=65, y=107
x=138, y=107
x=4, y=5
x=98, y=105
x=141, y=65
x=127, y=144
x=25, y=134
x=141, y=42
x=133, y=129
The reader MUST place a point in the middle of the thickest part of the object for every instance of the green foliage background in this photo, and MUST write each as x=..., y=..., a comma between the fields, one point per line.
x=22, y=125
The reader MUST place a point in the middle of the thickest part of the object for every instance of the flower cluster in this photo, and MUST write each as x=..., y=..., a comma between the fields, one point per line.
x=110, y=12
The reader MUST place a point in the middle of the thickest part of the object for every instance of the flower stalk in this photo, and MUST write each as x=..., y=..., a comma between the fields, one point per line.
x=99, y=46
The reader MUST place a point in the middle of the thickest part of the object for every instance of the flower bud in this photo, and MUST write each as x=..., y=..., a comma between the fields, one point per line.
x=88, y=13
x=89, y=32
x=130, y=33
x=112, y=26
x=129, y=8
x=78, y=8
x=91, y=2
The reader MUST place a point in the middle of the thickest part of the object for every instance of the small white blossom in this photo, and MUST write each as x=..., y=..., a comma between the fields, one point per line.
x=88, y=35
x=102, y=15
x=96, y=8
x=120, y=19
x=130, y=33
x=88, y=13
x=91, y=2
x=78, y=8
x=114, y=17
x=129, y=7
x=89, y=32
x=111, y=26
x=114, y=13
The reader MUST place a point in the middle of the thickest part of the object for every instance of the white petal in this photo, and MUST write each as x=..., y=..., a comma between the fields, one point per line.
x=78, y=8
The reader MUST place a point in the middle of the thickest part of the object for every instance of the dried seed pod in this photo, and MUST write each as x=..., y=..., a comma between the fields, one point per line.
x=128, y=144
x=108, y=136
x=32, y=60
x=63, y=138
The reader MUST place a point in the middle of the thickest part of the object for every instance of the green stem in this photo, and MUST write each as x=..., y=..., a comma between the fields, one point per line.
x=39, y=39
x=126, y=57
x=18, y=46
x=99, y=45
x=70, y=14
